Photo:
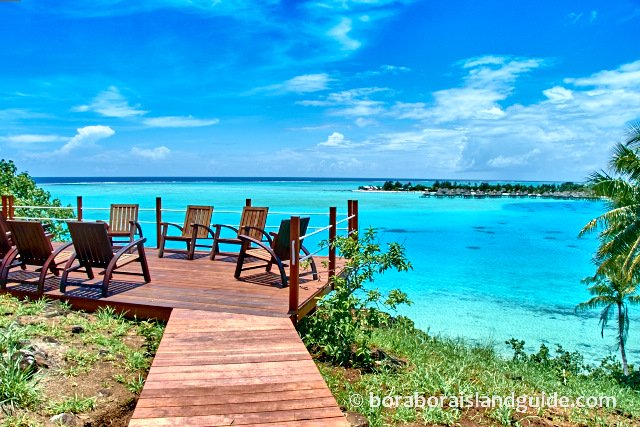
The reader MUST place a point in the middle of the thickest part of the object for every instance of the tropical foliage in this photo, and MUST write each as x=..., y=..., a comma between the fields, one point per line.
x=615, y=284
x=613, y=291
x=620, y=226
x=341, y=328
x=21, y=186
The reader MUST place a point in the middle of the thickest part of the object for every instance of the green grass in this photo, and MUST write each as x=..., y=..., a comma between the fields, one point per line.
x=18, y=387
x=106, y=337
x=73, y=404
x=446, y=367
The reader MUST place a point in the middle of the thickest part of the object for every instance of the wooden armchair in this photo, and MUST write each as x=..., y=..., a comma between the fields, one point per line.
x=276, y=252
x=93, y=249
x=123, y=223
x=252, y=222
x=34, y=248
x=196, y=226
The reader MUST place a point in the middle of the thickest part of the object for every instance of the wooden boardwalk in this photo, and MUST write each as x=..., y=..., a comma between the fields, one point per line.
x=230, y=354
x=219, y=369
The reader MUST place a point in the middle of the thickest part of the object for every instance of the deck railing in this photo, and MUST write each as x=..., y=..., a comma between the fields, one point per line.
x=297, y=309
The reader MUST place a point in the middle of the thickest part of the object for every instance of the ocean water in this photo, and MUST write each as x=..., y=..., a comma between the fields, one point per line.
x=484, y=270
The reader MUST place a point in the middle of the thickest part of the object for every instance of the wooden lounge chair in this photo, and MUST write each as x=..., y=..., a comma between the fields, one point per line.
x=252, y=222
x=196, y=226
x=123, y=223
x=276, y=252
x=33, y=247
x=93, y=249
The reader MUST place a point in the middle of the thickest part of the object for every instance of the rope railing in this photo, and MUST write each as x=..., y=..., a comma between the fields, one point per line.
x=44, y=207
x=318, y=230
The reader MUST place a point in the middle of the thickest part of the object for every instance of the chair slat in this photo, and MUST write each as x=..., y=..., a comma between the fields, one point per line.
x=120, y=217
x=91, y=243
x=197, y=215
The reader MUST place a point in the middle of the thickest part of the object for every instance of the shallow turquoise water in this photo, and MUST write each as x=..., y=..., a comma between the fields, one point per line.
x=485, y=270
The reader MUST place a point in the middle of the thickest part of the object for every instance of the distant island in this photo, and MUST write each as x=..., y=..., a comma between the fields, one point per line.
x=566, y=190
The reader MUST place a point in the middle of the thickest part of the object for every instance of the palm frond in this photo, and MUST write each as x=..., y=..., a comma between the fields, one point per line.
x=605, y=315
x=633, y=135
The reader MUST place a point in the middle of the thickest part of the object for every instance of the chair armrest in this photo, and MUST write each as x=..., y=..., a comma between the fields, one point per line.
x=219, y=227
x=167, y=224
x=195, y=227
x=246, y=239
x=60, y=249
x=128, y=247
x=138, y=227
x=264, y=233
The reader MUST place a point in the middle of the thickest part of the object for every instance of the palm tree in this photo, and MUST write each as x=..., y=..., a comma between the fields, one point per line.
x=613, y=291
x=620, y=225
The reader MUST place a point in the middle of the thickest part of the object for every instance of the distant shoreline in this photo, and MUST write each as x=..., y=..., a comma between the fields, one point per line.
x=448, y=189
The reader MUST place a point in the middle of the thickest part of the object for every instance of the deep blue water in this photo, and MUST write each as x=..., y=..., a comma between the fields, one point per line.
x=485, y=270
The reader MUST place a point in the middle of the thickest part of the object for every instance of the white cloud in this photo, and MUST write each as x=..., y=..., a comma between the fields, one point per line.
x=362, y=122
x=489, y=80
x=157, y=153
x=625, y=76
x=517, y=160
x=353, y=103
x=558, y=94
x=336, y=139
x=111, y=103
x=87, y=135
x=341, y=34
x=305, y=83
x=178, y=122
x=33, y=138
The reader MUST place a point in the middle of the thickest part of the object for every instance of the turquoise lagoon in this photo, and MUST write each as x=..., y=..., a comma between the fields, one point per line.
x=483, y=270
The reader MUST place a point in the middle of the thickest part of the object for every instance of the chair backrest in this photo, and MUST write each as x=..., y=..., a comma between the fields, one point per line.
x=282, y=242
x=253, y=217
x=31, y=241
x=197, y=215
x=91, y=243
x=120, y=217
x=5, y=241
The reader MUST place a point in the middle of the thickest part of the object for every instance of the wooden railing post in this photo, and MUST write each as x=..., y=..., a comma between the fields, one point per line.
x=12, y=213
x=5, y=206
x=247, y=202
x=333, y=214
x=79, y=207
x=349, y=213
x=294, y=269
x=354, y=208
x=158, y=221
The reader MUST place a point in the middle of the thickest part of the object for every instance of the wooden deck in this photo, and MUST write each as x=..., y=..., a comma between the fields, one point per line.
x=230, y=354
x=199, y=284
x=218, y=369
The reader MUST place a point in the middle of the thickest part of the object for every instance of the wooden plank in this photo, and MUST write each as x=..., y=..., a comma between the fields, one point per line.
x=244, y=370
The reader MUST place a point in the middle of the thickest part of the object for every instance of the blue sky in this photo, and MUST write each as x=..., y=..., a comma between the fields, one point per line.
x=350, y=88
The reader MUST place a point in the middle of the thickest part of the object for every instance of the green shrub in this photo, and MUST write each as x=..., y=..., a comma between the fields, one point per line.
x=341, y=328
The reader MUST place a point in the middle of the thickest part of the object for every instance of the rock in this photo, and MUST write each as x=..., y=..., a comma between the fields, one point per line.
x=104, y=392
x=50, y=340
x=64, y=419
x=33, y=358
x=356, y=419
x=77, y=329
